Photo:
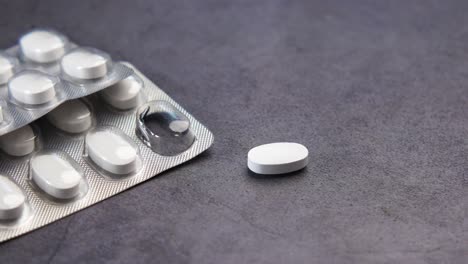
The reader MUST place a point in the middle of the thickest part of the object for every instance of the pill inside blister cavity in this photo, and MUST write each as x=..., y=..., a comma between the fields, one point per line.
x=163, y=128
x=12, y=199
x=43, y=45
x=2, y=119
x=125, y=94
x=86, y=63
x=112, y=151
x=7, y=67
x=72, y=116
x=57, y=174
x=19, y=142
x=32, y=87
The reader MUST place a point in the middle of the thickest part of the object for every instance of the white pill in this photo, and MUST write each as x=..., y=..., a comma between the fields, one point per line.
x=277, y=158
x=19, y=142
x=112, y=152
x=43, y=46
x=83, y=63
x=7, y=68
x=72, y=117
x=124, y=94
x=12, y=199
x=32, y=87
x=55, y=175
x=179, y=126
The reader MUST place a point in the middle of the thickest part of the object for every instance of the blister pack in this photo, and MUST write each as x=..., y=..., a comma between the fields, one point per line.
x=44, y=70
x=89, y=149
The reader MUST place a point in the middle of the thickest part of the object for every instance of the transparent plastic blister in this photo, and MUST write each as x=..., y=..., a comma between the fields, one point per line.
x=56, y=176
x=33, y=89
x=99, y=150
x=163, y=128
x=43, y=45
x=72, y=117
x=9, y=65
x=112, y=153
x=20, y=142
x=15, y=209
x=125, y=95
x=45, y=69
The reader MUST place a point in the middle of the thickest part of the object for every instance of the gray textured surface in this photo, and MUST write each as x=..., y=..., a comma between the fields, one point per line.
x=377, y=90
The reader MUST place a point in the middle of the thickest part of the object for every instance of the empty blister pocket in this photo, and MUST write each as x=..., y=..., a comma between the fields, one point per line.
x=163, y=128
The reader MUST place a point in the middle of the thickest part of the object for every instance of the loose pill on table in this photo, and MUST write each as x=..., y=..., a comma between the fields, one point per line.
x=112, y=152
x=32, y=87
x=7, y=68
x=85, y=63
x=124, y=94
x=12, y=200
x=72, y=116
x=43, y=46
x=277, y=158
x=55, y=175
x=19, y=142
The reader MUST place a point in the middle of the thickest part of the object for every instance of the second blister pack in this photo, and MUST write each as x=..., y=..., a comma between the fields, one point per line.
x=46, y=69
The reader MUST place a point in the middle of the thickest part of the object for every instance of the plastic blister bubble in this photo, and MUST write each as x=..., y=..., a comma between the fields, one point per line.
x=56, y=175
x=43, y=46
x=163, y=128
x=111, y=152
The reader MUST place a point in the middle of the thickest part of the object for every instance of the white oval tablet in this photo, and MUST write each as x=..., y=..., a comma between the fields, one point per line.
x=19, y=142
x=72, y=116
x=55, y=175
x=7, y=69
x=32, y=87
x=277, y=158
x=124, y=94
x=85, y=63
x=43, y=46
x=12, y=199
x=112, y=152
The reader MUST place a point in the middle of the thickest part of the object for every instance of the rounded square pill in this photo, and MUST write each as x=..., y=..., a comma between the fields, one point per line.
x=125, y=94
x=86, y=63
x=32, y=87
x=43, y=45
x=8, y=65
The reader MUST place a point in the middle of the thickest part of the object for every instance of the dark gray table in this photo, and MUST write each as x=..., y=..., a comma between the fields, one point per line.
x=377, y=90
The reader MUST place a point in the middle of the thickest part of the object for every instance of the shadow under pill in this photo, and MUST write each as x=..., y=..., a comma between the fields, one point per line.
x=295, y=174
